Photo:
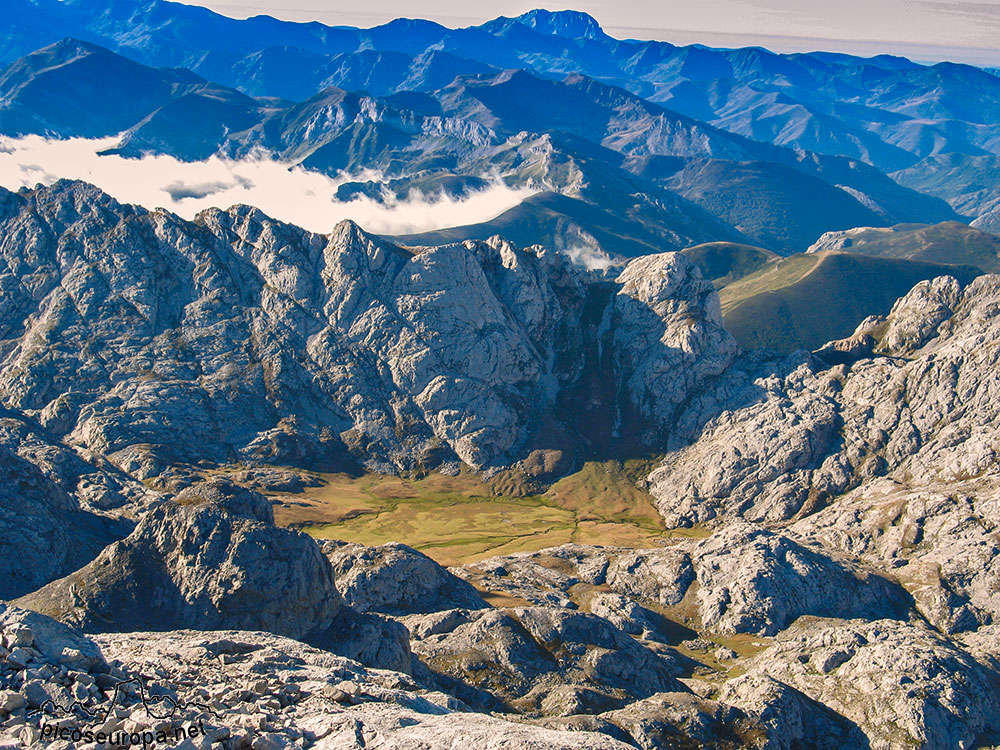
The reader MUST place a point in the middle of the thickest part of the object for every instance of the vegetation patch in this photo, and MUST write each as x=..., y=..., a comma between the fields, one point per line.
x=461, y=519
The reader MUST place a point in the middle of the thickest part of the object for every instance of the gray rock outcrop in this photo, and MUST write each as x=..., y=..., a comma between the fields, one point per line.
x=544, y=660
x=779, y=438
x=751, y=580
x=209, y=559
x=244, y=689
x=43, y=524
x=212, y=558
x=393, y=579
x=902, y=685
x=239, y=337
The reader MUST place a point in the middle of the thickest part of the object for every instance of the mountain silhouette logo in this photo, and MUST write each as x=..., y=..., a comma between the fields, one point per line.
x=159, y=707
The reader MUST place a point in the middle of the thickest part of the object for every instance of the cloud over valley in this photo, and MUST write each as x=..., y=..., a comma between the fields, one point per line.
x=290, y=193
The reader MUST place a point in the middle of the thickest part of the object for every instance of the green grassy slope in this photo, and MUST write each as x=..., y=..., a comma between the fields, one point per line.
x=947, y=242
x=726, y=262
x=806, y=300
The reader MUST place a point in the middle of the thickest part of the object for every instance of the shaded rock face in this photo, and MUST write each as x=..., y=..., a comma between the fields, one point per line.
x=89, y=478
x=393, y=579
x=668, y=336
x=41, y=523
x=902, y=685
x=238, y=337
x=210, y=558
x=790, y=719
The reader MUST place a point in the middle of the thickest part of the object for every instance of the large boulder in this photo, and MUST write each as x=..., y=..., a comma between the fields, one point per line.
x=393, y=579
x=211, y=559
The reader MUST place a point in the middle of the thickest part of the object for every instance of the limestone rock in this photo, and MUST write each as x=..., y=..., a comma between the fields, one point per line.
x=394, y=579
x=790, y=719
x=669, y=336
x=519, y=656
x=902, y=685
x=44, y=533
x=245, y=690
x=751, y=580
x=660, y=576
x=239, y=337
x=211, y=559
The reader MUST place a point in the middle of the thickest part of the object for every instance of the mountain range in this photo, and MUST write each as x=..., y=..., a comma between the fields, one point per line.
x=696, y=446
x=827, y=517
x=642, y=145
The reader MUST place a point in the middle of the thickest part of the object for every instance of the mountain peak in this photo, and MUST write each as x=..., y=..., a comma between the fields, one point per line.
x=574, y=24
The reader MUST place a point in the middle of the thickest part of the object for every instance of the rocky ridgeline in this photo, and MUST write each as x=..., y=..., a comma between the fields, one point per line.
x=154, y=341
x=890, y=457
x=831, y=580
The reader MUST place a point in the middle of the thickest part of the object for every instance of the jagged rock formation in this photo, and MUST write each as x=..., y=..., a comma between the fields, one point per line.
x=777, y=438
x=751, y=580
x=909, y=433
x=542, y=660
x=40, y=522
x=393, y=579
x=238, y=337
x=742, y=580
x=212, y=558
x=832, y=582
x=244, y=689
x=903, y=685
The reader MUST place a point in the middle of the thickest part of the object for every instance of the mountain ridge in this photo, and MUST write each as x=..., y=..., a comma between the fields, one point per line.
x=477, y=128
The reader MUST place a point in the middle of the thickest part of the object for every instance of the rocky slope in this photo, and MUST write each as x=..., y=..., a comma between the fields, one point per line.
x=238, y=337
x=828, y=579
x=890, y=458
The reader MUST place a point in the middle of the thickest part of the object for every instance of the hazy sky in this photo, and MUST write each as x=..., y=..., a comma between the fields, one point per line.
x=960, y=30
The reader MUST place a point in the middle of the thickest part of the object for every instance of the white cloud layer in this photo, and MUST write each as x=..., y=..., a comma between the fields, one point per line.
x=292, y=194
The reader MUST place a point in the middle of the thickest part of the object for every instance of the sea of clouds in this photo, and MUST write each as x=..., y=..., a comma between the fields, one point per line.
x=288, y=193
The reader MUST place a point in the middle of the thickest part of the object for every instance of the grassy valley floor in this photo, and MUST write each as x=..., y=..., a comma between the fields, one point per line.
x=461, y=519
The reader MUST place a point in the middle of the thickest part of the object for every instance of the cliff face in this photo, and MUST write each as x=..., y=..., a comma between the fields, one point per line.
x=155, y=341
x=832, y=582
x=891, y=458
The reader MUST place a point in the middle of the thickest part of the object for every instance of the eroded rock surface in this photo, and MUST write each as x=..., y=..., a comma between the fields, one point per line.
x=901, y=684
x=244, y=689
x=211, y=557
x=239, y=337
x=393, y=579
x=42, y=524
x=544, y=660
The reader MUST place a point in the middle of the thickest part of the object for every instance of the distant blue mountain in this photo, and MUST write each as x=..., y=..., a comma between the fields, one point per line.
x=673, y=180
x=884, y=110
x=685, y=144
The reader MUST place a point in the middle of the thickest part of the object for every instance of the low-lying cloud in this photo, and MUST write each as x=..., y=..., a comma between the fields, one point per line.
x=292, y=194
